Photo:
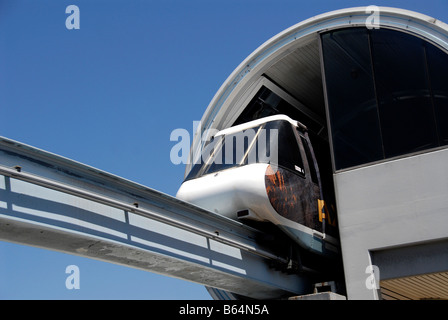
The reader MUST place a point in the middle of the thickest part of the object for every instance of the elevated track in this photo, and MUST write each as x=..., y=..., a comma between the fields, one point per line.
x=56, y=203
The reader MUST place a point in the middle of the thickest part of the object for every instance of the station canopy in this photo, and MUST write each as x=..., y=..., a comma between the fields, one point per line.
x=370, y=80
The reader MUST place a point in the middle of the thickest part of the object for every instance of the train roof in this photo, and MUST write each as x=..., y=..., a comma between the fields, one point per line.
x=258, y=122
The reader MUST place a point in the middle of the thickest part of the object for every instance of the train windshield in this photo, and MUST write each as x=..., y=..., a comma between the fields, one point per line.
x=273, y=142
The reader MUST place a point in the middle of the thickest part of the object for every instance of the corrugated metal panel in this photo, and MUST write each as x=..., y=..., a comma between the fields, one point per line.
x=299, y=73
x=422, y=287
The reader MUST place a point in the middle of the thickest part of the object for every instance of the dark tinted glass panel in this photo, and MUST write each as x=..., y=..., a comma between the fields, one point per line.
x=289, y=152
x=288, y=148
x=310, y=160
x=351, y=97
x=395, y=101
x=211, y=156
x=265, y=149
x=223, y=153
x=405, y=106
x=274, y=142
x=438, y=72
x=233, y=151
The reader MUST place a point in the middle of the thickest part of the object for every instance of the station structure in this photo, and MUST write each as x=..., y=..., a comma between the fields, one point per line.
x=371, y=85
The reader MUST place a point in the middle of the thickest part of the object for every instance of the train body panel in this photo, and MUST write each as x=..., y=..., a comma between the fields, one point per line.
x=219, y=192
x=264, y=170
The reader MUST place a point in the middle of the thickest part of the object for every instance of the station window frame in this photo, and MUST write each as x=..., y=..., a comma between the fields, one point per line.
x=387, y=156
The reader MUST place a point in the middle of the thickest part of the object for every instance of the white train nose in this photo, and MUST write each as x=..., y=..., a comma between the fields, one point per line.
x=283, y=190
x=229, y=191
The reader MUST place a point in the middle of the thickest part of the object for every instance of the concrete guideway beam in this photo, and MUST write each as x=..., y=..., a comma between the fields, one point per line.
x=56, y=203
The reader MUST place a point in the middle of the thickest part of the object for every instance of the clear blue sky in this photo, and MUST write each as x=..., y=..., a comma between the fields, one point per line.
x=109, y=95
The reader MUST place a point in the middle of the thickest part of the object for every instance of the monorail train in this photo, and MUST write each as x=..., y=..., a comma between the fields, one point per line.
x=265, y=170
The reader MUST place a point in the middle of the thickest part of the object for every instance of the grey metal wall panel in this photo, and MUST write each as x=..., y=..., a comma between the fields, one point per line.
x=390, y=204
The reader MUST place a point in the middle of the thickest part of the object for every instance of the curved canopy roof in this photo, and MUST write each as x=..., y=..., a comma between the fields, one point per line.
x=292, y=61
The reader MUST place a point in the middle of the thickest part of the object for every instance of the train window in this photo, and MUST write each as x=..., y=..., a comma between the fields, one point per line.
x=211, y=154
x=287, y=148
x=404, y=101
x=310, y=160
x=351, y=98
x=226, y=152
x=274, y=142
x=387, y=94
